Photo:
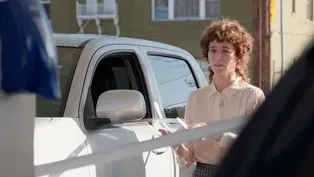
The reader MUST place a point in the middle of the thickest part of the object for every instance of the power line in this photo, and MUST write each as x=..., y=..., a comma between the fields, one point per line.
x=291, y=33
x=175, y=78
x=167, y=106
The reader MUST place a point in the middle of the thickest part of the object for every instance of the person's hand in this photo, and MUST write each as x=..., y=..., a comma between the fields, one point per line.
x=197, y=125
x=176, y=148
x=184, y=162
x=201, y=124
x=165, y=132
x=217, y=138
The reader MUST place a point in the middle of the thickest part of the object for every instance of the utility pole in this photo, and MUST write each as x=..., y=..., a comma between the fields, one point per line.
x=261, y=64
x=266, y=56
x=257, y=35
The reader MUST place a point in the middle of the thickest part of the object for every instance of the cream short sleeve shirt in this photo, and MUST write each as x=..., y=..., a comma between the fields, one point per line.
x=208, y=105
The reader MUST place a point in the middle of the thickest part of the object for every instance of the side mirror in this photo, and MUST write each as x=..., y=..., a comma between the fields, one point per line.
x=121, y=105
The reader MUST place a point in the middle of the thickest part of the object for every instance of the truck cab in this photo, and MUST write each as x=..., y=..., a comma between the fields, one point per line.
x=113, y=90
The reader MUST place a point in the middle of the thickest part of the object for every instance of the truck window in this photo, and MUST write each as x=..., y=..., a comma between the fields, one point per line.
x=116, y=71
x=175, y=82
x=67, y=58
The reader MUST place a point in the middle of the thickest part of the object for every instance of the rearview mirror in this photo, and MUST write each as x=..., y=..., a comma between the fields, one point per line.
x=121, y=105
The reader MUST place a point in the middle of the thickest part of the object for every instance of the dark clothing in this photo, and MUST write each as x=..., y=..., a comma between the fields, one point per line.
x=204, y=170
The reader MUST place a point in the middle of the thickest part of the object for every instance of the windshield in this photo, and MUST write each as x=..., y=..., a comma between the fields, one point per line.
x=67, y=58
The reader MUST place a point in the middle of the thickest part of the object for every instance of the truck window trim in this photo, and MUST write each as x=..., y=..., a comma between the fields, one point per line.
x=66, y=69
x=70, y=80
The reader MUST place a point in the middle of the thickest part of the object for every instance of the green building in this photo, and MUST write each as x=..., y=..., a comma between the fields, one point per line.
x=181, y=23
x=176, y=22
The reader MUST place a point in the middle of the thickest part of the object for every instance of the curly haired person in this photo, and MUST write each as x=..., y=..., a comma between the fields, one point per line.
x=227, y=46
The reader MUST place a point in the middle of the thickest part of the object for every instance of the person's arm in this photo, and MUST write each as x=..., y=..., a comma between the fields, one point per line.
x=186, y=149
x=255, y=98
x=189, y=109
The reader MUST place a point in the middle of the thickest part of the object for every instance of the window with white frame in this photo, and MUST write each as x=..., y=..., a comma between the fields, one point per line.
x=185, y=9
x=309, y=9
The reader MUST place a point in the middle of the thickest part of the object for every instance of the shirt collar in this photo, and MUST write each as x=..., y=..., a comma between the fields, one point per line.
x=230, y=90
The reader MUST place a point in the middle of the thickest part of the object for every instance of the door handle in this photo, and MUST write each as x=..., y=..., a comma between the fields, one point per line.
x=159, y=151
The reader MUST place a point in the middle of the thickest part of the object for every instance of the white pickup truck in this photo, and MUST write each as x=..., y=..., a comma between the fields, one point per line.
x=110, y=87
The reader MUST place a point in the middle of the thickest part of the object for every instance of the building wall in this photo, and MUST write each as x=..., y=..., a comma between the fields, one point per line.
x=62, y=16
x=297, y=32
x=136, y=21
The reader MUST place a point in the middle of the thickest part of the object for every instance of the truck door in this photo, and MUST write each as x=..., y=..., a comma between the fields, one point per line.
x=121, y=67
x=175, y=75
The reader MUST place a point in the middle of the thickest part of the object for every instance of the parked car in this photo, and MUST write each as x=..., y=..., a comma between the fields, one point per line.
x=112, y=88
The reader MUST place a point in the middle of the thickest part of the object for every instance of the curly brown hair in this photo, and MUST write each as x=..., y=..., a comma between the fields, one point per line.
x=230, y=31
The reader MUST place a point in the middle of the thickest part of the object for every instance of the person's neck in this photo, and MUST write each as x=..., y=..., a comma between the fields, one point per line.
x=223, y=81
